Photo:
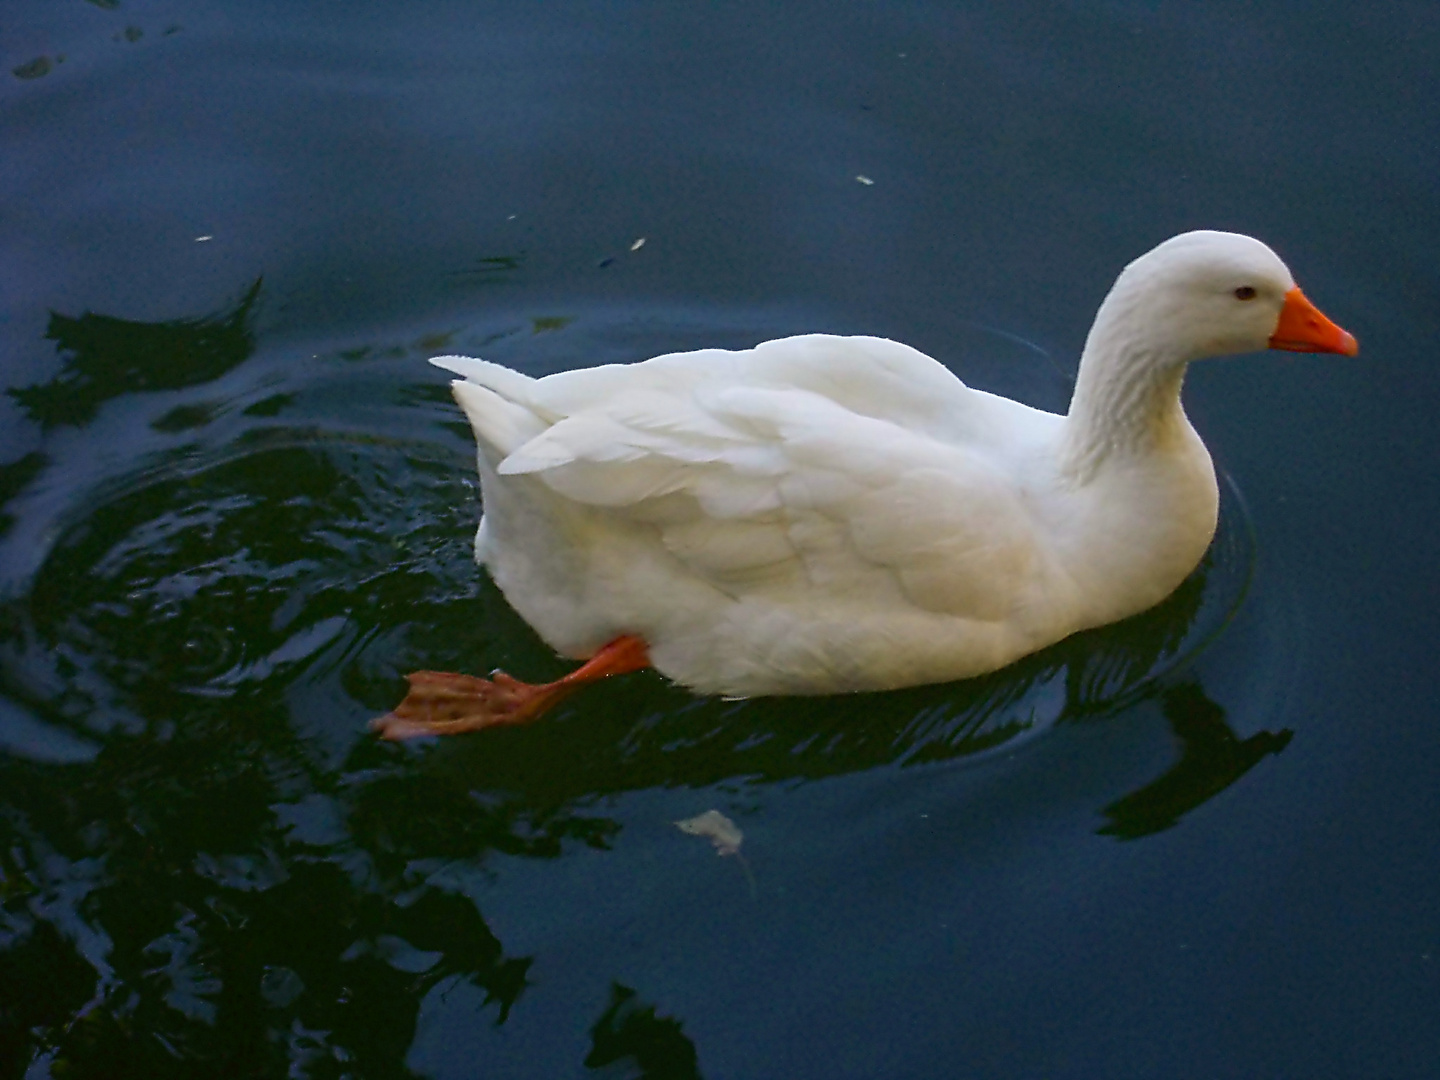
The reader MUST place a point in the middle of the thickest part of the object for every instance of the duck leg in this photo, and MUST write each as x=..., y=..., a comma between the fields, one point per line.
x=442, y=703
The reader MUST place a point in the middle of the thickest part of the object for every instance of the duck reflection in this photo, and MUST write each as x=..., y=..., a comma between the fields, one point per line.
x=1212, y=757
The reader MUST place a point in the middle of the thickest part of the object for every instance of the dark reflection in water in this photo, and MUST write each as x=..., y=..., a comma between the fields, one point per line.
x=34, y=69
x=105, y=357
x=13, y=478
x=490, y=269
x=1212, y=758
x=632, y=1033
x=241, y=879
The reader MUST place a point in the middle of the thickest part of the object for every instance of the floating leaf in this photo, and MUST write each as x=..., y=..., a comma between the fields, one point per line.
x=717, y=828
x=724, y=834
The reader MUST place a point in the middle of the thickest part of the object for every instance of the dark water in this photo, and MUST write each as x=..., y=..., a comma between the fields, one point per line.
x=236, y=506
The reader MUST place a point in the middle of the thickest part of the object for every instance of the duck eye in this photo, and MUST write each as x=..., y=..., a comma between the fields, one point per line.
x=1245, y=292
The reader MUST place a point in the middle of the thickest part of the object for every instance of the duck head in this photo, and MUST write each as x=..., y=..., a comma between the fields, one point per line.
x=1197, y=295
x=1211, y=293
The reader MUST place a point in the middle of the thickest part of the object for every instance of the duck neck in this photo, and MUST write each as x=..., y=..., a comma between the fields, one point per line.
x=1126, y=402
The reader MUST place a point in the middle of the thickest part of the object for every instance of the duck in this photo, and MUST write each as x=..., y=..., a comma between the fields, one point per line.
x=827, y=514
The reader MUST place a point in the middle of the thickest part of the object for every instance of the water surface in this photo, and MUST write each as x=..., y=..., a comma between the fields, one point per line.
x=236, y=506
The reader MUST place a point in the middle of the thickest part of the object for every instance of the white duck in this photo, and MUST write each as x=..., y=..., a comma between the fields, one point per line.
x=822, y=514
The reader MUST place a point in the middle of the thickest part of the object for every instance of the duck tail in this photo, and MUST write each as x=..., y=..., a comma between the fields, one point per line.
x=495, y=400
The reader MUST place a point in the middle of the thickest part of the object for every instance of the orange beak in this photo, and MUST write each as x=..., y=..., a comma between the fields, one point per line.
x=1302, y=328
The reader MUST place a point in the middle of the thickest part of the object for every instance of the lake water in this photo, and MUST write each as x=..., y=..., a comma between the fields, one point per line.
x=236, y=506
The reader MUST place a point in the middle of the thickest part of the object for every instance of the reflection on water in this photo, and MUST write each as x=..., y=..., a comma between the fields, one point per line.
x=1212, y=757
x=240, y=874
x=105, y=357
x=631, y=1032
x=127, y=34
x=13, y=478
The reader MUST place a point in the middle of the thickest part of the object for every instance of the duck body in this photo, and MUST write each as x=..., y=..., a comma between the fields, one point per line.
x=822, y=514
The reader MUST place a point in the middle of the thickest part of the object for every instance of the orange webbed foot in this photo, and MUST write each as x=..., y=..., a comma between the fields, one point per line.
x=444, y=703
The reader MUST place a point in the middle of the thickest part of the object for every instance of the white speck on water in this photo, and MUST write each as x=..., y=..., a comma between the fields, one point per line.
x=202, y=239
x=638, y=244
x=865, y=180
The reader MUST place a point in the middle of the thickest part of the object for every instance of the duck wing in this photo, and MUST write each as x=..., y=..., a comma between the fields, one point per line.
x=857, y=470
